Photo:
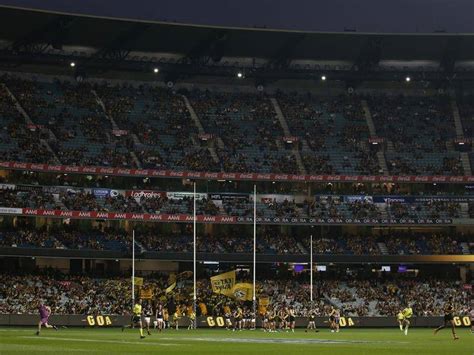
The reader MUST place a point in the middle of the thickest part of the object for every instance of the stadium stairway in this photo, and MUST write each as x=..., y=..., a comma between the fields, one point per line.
x=466, y=163
x=347, y=304
x=28, y=120
x=332, y=301
x=17, y=105
x=139, y=248
x=301, y=248
x=373, y=134
x=286, y=131
x=457, y=118
x=464, y=212
x=390, y=148
x=104, y=109
x=383, y=248
x=136, y=141
x=220, y=143
x=198, y=124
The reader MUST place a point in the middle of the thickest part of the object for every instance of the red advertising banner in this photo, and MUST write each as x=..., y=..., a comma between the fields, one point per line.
x=95, y=170
x=205, y=136
x=119, y=132
x=34, y=127
x=290, y=139
x=376, y=140
x=34, y=212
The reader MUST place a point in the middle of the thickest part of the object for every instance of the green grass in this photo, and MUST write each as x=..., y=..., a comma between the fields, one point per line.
x=204, y=341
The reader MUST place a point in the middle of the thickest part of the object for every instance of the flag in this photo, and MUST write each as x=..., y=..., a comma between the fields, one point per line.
x=223, y=283
x=172, y=278
x=243, y=291
x=264, y=301
x=170, y=288
x=138, y=281
x=146, y=293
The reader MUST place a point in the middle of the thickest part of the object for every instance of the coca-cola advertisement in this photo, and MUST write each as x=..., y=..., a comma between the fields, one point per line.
x=462, y=179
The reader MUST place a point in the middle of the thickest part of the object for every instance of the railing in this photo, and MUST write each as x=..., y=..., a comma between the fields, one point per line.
x=97, y=170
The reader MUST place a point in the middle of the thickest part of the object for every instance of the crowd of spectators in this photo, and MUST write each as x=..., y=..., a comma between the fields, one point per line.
x=419, y=132
x=66, y=237
x=329, y=206
x=64, y=294
x=123, y=125
x=427, y=296
x=269, y=241
x=82, y=294
x=437, y=243
x=429, y=209
x=247, y=126
x=332, y=131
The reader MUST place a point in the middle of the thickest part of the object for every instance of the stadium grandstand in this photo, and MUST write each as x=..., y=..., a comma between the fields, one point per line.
x=238, y=178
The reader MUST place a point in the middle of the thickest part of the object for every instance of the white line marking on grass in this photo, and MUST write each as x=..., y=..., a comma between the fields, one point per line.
x=286, y=341
x=101, y=341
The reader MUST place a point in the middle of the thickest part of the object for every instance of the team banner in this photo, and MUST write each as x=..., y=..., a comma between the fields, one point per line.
x=233, y=176
x=170, y=288
x=186, y=218
x=243, y=291
x=146, y=293
x=138, y=281
x=223, y=283
x=264, y=301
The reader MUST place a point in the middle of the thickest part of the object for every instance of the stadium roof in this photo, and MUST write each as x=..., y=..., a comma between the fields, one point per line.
x=18, y=25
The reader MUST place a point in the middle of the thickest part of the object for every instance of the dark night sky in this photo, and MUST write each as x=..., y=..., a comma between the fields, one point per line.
x=327, y=15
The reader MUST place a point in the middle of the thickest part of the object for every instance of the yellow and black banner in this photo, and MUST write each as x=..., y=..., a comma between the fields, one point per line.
x=146, y=293
x=170, y=288
x=224, y=283
x=243, y=291
x=138, y=281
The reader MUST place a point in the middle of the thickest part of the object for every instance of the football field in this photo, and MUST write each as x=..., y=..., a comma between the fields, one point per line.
x=203, y=341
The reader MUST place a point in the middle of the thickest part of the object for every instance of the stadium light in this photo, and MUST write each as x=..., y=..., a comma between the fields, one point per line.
x=72, y=64
x=407, y=79
x=240, y=75
x=156, y=70
x=323, y=78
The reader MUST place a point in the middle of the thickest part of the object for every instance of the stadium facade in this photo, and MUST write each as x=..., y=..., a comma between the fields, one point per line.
x=361, y=141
